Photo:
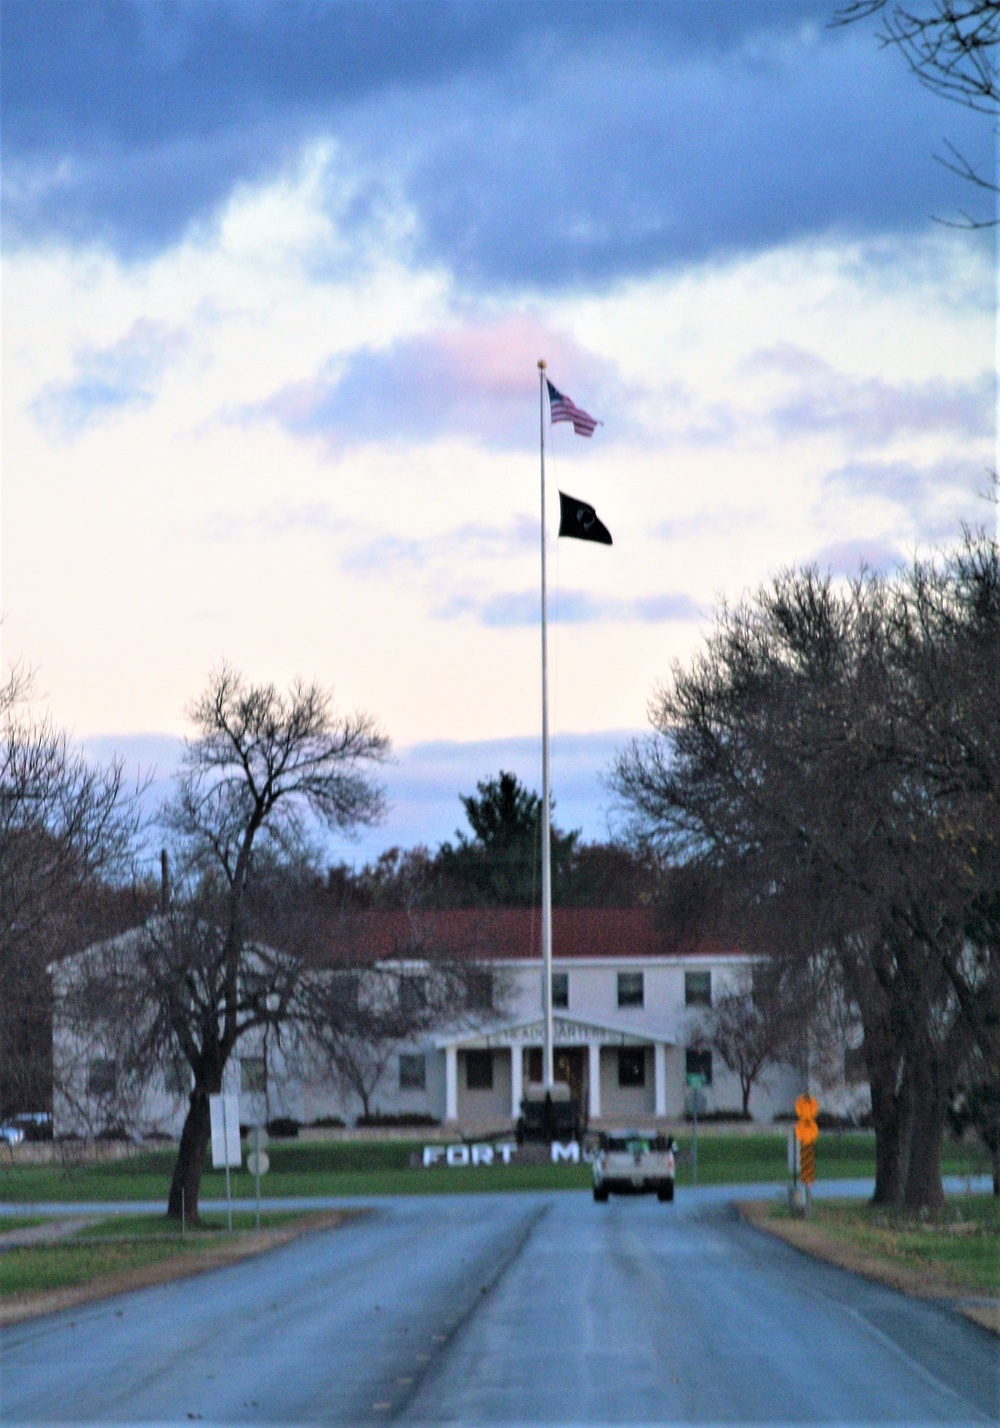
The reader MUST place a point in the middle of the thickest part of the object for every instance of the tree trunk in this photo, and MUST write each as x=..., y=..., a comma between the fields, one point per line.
x=890, y=1116
x=186, y=1182
x=995, y=1154
x=746, y=1086
x=923, y=1188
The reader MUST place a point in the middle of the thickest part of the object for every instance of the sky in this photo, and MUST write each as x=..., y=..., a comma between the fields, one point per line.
x=275, y=281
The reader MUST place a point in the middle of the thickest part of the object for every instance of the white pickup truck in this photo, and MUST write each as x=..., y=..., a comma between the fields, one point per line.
x=634, y=1162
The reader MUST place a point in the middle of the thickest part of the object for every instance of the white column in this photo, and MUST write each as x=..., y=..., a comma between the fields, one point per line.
x=594, y=1080
x=516, y=1079
x=660, y=1077
x=451, y=1083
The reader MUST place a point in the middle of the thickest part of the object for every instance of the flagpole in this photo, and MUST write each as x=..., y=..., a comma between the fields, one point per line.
x=546, y=821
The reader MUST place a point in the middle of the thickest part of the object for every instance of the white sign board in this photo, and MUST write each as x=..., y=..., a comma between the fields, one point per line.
x=225, y=1113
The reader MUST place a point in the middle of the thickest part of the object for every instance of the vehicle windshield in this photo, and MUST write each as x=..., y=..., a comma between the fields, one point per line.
x=632, y=1144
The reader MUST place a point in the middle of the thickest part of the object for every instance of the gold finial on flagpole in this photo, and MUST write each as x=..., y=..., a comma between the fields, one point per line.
x=541, y=364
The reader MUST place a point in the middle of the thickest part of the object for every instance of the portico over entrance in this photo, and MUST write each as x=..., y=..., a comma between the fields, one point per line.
x=611, y=1070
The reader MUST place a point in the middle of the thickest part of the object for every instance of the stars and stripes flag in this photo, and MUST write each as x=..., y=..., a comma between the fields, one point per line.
x=561, y=408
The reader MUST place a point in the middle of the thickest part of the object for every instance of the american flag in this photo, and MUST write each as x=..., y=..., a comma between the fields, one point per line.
x=561, y=408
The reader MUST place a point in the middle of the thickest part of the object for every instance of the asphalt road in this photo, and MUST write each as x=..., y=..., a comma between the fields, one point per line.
x=510, y=1309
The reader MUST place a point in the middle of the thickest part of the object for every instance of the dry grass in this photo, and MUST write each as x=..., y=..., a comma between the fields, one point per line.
x=948, y=1255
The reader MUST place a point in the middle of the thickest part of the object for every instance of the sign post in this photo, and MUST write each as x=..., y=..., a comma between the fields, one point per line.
x=695, y=1080
x=225, y=1118
x=258, y=1163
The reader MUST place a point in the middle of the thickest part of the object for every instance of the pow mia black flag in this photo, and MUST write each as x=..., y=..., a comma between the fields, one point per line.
x=581, y=521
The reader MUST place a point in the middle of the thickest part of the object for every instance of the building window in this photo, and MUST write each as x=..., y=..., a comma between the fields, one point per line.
x=412, y=995
x=479, y=1070
x=855, y=1066
x=412, y=1072
x=560, y=989
x=697, y=989
x=102, y=1077
x=479, y=992
x=253, y=1074
x=177, y=1076
x=630, y=990
x=699, y=1063
x=631, y=1066
x=347, y=991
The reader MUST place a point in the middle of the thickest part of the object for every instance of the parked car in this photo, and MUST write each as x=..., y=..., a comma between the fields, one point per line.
x=13, y=1135
x=634, y=1162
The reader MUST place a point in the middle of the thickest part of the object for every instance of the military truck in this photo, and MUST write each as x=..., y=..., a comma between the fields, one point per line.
x=548, y=1114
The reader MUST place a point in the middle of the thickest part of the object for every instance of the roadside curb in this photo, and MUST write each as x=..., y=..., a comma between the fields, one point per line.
x=810, y=1239
x=246, y=1244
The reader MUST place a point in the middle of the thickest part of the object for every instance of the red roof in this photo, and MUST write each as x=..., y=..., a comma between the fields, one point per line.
x=503, y=932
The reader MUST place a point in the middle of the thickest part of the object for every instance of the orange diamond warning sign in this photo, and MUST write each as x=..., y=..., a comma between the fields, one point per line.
x=806, y=1129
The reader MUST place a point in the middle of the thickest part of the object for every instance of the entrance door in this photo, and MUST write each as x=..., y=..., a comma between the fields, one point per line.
x=569, y=1065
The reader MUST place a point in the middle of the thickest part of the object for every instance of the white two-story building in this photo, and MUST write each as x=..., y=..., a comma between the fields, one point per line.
x=625, y=1012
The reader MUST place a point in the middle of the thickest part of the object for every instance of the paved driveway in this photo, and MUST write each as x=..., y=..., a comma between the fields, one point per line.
x=510, y=1308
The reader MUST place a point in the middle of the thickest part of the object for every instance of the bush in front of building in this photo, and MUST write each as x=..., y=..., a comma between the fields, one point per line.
x=391, y=1120
x=283, y=1128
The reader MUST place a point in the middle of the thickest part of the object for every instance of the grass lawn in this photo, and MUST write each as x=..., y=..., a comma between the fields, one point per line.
x=69, y=1263
x=123, y=1244
x=152, y=1227
x=961, y=1243
x=383, y=1168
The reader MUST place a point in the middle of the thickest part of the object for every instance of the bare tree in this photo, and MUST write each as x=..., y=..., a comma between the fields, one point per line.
x=949, y=45
x=365, y=1008
x=753, y=1025
x=66, y=825
x=360, y=1019
x=798, y=758
x=230, y=956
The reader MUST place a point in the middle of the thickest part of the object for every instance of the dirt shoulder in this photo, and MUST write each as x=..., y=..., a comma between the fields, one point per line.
x=924, y=1283
x=239, y=1246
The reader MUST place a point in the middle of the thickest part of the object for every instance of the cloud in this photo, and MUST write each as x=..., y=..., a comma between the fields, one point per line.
x=907, y=484
x=870, y=411
x=111, y=379
x=423, y=784
x=532, y=148
x=705, y=523
x=848, y=557
x=568, y=607
x=365, y=551
x=476, y=379
x=475, y=541
x=936, y=498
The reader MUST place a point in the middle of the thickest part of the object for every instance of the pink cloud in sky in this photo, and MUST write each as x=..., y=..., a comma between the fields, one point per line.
x=478, y=378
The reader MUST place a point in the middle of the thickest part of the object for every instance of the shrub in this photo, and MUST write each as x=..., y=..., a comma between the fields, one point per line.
x=733, y=1115
x=283, y=1128
x=402, y=1118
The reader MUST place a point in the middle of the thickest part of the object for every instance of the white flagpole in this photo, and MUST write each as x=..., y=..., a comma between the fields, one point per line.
x=546, y=828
